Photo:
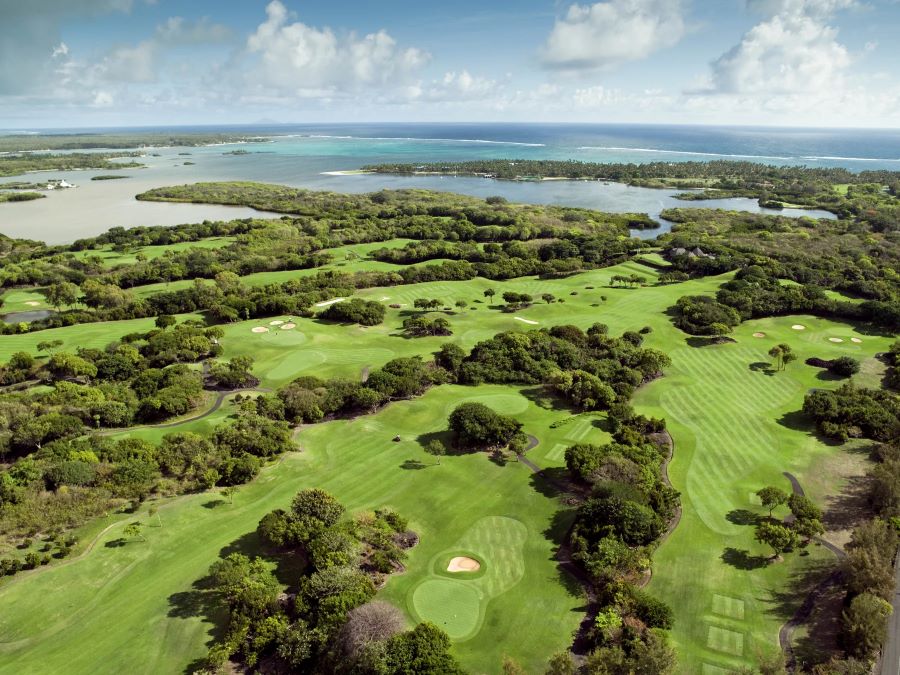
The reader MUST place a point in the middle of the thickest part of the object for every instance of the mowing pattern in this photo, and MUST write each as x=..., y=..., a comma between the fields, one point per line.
x=725, y=640
x=732, y=608
x=728, y=406
x=458, y=605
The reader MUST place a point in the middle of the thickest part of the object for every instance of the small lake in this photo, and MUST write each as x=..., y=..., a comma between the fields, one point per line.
x=27, y=317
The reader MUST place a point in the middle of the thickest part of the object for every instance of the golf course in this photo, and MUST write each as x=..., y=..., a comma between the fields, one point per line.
x=500, y=558
x=726, y=417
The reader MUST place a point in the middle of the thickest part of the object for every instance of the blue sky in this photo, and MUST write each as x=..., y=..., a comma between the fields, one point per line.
x=68, y=63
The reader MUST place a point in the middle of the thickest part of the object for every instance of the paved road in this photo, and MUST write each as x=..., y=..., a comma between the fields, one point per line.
x=890, y=658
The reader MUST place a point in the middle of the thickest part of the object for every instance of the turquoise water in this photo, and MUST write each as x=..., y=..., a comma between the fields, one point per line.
x=308, y=156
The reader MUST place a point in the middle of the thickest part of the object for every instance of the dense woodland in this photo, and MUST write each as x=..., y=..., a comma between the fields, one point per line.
x=15, y=164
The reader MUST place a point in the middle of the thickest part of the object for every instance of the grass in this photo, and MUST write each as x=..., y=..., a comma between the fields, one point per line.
x=18, y=301
x=736, y=430
x=734, y=423
x=94, y=335
x=113, y=258
x=140, y=593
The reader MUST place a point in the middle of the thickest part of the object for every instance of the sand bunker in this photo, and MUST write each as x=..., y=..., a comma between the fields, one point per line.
x=32, y=303
x=856, y=340
x=463, y=564
x=289, y=326
x=386, y=297
x=835, y=340
x=519, y=318
x=276, y=322
x=325, y=303
x=759, y=335
x=259, y=329
x=798, y=326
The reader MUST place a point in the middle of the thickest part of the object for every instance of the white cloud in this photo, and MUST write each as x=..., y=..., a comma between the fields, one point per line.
x=130, y=64
x=787, y=53
x=609, y=33
x=297, y=57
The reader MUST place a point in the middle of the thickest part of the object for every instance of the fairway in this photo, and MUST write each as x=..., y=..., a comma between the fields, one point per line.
x=733, y=432
x=141, y=593
x=724, y=410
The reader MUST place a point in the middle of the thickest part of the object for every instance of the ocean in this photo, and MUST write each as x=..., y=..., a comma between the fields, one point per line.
x=310, y=155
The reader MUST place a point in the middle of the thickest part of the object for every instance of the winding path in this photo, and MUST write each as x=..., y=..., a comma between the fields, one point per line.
x=786, y=634
x=220, y=399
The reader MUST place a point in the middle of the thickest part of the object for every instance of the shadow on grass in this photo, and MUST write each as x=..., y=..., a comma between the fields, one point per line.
x=415, y=465
x=446, y=438
x=551, y=482
x=542, y=397
x=763, y=367
x=828, y=376
x=116, y=543
x=742, y=517
x=698, y=341
x=850, y=507
x=794, y=598
x=213, y=503
x=742, y=560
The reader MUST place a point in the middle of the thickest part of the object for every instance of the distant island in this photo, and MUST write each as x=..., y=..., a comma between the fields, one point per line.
x=109, y=176
x=48, y=142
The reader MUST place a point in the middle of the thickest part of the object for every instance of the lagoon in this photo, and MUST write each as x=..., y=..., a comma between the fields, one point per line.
x=309, y=161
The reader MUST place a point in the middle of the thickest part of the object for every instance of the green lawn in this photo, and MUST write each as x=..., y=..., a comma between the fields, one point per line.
x=24, y=300
x=140, y=593
x=730, y=420
x=735, y=433
x=82, y=335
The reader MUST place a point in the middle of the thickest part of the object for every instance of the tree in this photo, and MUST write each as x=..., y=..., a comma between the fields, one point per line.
x=229, y=493
x=490, y=293
x=235, y=373
x=63, y=293
x=316, y=510
x=372, y=622
x=783, y=355
x=422, y=651
x=461, y=304
x=865, y=625
x=436, y=449
x=779, y=537
x=133, y=531
x=561, y=664
x=844, y=366
x=476, y=425
x=771, y=497
x=164, y=321
x=548, y=297
x=49, y=345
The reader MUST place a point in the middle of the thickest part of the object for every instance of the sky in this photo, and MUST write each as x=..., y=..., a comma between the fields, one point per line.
x=99, y=63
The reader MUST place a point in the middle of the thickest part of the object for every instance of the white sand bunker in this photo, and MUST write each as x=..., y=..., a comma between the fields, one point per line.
x=276, y=322
x=519, y=318
x=856, y=340
x=325, y=303
x=798, y=326
x=835, y=340
x=32, y=303
x=289, y=326
x=386, y=297
x=759, y=335
x=463, y=564
x=259, y=329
